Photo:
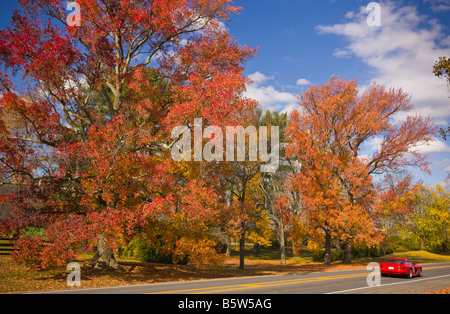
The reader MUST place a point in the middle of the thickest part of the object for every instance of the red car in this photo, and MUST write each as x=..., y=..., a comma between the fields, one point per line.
x=400, y=267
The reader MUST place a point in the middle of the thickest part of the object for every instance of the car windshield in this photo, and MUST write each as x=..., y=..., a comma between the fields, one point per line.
x=395, y=261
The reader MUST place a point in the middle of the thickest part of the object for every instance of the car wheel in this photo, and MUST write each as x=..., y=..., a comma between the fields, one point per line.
x=410, y=274
x=420, y=272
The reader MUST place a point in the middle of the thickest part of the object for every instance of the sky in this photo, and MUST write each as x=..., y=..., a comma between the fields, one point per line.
x=306, y=42
x=303, y=42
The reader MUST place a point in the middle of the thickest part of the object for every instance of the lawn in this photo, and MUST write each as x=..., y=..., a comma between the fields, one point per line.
x=17, y=278
x=420, y=257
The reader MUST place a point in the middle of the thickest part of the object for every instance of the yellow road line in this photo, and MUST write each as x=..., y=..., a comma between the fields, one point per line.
x=260, y=285
x=265, y=286
x=272, y=283
x=424, y=267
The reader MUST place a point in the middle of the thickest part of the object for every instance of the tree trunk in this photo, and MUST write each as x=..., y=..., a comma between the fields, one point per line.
x=422, y=245
x=228, y=239
x=104, y=258
x=327, y=255
x=256, y=249
x=294, y=248
x=282, y=244
x=242, y=246
x=347, y=253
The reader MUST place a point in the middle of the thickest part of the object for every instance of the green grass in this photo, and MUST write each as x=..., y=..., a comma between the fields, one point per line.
x=423, y=257
x=272, y=254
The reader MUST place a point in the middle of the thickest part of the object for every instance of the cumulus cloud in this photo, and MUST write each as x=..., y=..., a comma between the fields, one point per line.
x=374, y=144
x=445, y=163
x=303, y=81
x=267, y=95
x=439, y=5
x=259, y=78
x=434, y=147
x=402, y=52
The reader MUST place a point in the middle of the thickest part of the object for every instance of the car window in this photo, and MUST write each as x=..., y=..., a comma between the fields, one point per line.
x=396, y=261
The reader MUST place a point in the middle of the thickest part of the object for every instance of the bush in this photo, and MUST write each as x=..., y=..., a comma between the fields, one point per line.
x=151, y=255
x=361, y=252
x=336, y=255
x=143, y=252
x=365, y=251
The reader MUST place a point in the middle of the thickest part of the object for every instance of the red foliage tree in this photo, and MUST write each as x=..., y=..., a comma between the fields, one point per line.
x=86, y=133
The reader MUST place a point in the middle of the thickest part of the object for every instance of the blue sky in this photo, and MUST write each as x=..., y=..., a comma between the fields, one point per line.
x=302, y=42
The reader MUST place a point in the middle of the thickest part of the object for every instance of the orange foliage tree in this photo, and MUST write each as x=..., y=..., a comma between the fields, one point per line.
x=327, y=134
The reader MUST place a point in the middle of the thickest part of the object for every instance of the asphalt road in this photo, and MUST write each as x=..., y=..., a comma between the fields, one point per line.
x=435, y=277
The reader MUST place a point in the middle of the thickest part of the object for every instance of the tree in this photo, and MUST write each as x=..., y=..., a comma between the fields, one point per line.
x=245, y=210
x=427, y=218
x=260, y=232
x=442, y=68
x=87, y=133
x=335, y=182
x=393, y=214
x=444, y=133
x=272, y=183
x=247, y=203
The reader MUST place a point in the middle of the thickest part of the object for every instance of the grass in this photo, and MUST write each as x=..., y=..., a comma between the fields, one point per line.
x=17, y=278
x=419, y=257
x=423, y=257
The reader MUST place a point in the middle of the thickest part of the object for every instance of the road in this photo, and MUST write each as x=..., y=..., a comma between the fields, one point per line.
x=435, y=277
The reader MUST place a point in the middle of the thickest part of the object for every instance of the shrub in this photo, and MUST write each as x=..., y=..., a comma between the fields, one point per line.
x=144, y=252
x=336, y=255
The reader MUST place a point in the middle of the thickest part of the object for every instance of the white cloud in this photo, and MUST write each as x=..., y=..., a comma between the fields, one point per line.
x=303, y=81
x=259, y=78
x=268, y=96
x=445, y=163
x=375, y=144
x=342, y=53
x=434, y=147
x=439, y=5
x=349, y=14
x=402, y=51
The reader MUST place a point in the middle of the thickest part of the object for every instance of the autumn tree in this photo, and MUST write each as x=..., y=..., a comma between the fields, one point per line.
x=245, y=196
x=272, y=184
x=393, y=211
x=250, y=165
x=425, y=218
x=327, y=134
x=442, y=68
x=244, y=206
x=86, y=119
